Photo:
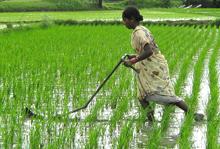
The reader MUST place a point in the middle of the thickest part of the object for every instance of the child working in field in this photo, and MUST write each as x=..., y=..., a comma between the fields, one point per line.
x=153, y=80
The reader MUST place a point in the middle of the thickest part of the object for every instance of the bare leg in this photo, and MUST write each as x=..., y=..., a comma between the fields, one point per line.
x=150, y=112
x=182, y=105
x=170, y=100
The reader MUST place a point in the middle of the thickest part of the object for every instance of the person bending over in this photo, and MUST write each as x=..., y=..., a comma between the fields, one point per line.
x=153, y=81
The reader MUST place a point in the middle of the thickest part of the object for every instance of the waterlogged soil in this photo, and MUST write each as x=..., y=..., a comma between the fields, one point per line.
x=4, y=26
x=200, y=129
x=107, y=138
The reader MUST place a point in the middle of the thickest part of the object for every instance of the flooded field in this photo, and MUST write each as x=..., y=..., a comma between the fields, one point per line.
x=57, y=69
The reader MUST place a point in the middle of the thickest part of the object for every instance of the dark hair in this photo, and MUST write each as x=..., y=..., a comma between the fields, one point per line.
x=132, y=12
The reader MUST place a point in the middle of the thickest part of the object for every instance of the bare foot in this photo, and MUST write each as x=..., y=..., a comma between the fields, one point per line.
x=198, y=117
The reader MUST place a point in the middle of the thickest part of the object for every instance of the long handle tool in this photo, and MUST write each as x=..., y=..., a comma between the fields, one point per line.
x=30, y=113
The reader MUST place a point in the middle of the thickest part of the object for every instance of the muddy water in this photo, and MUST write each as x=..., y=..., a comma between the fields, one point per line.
x=187, y=90
x=106, y=139
x=26, y=130
x=177, y=117
x=139, y=140
x=3, y=26
x=200, y=129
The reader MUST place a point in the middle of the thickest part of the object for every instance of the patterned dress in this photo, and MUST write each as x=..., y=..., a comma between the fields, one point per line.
x=154, y=72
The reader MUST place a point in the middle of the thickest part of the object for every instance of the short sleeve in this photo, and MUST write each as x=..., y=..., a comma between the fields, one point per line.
x=140, y=40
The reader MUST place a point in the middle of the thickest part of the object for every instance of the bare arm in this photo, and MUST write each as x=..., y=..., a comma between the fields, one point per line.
x=147, y=52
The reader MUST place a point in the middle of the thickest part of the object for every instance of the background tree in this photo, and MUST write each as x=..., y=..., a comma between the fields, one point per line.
x=166, y=3
x=100, y=3
x=205, y=3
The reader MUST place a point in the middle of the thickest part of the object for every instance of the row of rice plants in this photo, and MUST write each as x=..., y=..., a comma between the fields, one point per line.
x=213, y=104
x=163, y=38
x=44, y=88
x=125, y=135
x=185, y=61
x=174, y=43
x=192, y=50
x=55, y=74
x=192, y=101
x=93, y=137
x=189, y=58
x=199, y=130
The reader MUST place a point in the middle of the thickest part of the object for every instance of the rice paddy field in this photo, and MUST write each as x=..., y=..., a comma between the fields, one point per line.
x=149, y=14
x=57, y=69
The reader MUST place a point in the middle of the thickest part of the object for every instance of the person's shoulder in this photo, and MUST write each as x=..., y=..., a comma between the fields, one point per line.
x=137, y=28
x=139, y=31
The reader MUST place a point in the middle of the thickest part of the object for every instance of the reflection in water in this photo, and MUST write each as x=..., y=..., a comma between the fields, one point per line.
x=3, y=26
x=199, y=136
x=105, y=140
x=140, y=137
x=178, y=116
x=26, y=130
x=80, y=136
x=187, y=90
x=199, y=130
x=204, y=87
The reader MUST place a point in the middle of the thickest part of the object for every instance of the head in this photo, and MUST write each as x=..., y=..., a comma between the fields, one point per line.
x=131, y=17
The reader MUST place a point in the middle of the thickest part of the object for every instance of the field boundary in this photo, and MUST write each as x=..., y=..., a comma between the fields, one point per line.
x=190, y=22
x=162, y=22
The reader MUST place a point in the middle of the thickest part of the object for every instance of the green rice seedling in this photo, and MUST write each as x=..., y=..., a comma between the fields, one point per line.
x=93, y=137
x=93, y=116
x=171, y=39
x=35, y=137
x=64, y=139
x=159, y=131
x=121, y=108
x=198, y=69
x=125, y=135
x=110, y=15
x=212, y=107
x=8, y=135
x=55, y=70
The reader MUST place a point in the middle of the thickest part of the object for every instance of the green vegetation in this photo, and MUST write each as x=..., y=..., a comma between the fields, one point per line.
x=193, y=100
x=45, y=5
x=55, y=69
x=70, y=5
x=213, y=105
x=149, y=14
x=183, y=66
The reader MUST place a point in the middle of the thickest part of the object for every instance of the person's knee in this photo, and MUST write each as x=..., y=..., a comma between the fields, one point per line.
x=144, y=103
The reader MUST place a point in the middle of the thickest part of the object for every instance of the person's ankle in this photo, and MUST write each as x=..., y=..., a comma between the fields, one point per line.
x=198, y=116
